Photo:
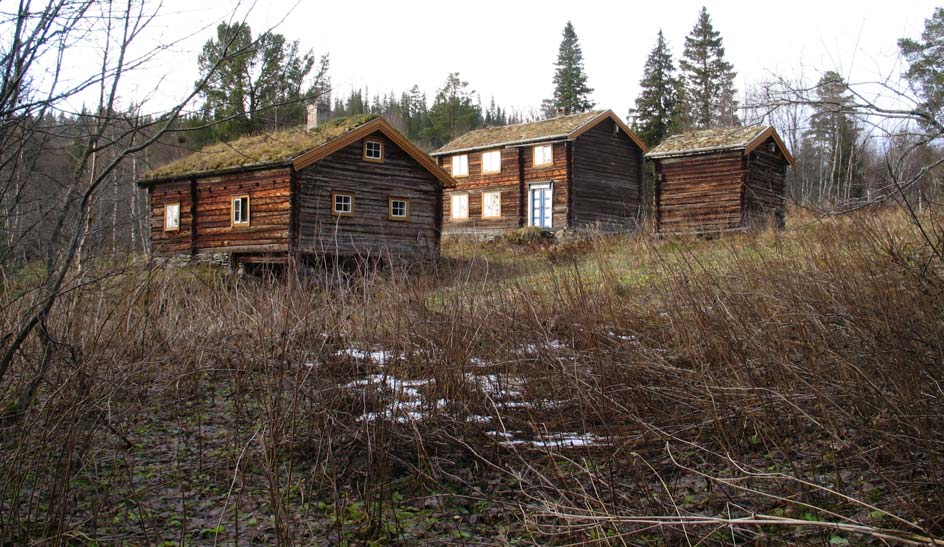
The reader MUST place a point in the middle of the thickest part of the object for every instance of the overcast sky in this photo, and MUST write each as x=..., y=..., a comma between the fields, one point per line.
x=507, y=49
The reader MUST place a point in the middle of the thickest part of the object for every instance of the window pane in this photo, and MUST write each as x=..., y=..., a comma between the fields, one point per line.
x=460, y=165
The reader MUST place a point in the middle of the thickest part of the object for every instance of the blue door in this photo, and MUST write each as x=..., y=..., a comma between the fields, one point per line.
x=540, y=206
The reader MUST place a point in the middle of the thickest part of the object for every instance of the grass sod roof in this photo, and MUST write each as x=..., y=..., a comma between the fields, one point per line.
x=277, y=147
x=561, y=126
x=707, y=140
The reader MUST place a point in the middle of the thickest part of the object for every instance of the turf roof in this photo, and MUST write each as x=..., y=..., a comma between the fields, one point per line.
x=559, y=127
x=256, y=150
x=707, y=140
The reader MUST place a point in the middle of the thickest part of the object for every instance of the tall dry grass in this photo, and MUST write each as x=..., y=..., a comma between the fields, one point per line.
x=769, y=388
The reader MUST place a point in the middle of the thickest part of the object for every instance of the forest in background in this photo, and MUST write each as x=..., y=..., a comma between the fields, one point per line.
x=850, y=152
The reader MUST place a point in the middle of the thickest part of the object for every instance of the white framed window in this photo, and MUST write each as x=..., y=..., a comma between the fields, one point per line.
x=171, y=217
x=491, y=204
x=543, y=155
x=460, y=206
x=342, y=204
x=491, y=162
x=398, y=209
x=373, y=150
x=240, y=211
x=460, y=165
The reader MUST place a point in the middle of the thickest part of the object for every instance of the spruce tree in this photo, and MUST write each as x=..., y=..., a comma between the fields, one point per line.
x=571, y=93
x=710, y=96
x=657, y=106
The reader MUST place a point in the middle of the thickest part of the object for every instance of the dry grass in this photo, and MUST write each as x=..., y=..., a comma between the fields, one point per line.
x=769, y=389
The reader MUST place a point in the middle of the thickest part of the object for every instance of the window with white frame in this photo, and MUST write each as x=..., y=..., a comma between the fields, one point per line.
x=373, y=150
x=491, y=162
x=460, y=206
x=342, y=204
x=240, y=210
x=460, y=166
x=399, y=209
x=543, y=155
x=171, y=217
x=491, y=204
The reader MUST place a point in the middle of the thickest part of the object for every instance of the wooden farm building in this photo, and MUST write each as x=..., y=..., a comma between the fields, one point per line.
x=352, y=187
x=719, y=180
x=577, y=171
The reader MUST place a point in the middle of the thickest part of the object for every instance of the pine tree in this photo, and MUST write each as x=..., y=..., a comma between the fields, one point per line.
x=657, y=106
x=710, y=99
x=832, y=137
x=453, y=112
x=258, y=83
x=571, y=93
x=926, y=64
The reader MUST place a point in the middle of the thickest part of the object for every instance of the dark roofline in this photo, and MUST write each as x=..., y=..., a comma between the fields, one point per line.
x=318, y=153
x=503, y=144
x=748, y=147
x=145, y=182
x=575, y=133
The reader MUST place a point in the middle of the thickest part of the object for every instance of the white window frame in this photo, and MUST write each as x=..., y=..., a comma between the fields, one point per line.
x=237, y=216
x=497, y=212
x=380, y=150
x=463, y=161
x=172, y=226
x=541, y=186
x=549, y=157
x=492, y=159
x=465, y=207
x=334, y=204
x=406, y=209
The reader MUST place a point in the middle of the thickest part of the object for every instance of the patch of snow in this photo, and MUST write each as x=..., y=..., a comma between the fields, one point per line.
x=554, y=440
x=379, y=357
x=623, y=337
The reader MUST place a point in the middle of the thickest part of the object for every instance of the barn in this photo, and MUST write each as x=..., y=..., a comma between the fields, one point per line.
x=719, y=180
x=352, y=187
x=581, y=171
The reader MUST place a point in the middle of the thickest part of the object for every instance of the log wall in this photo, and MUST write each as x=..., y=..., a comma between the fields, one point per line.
x=170, y=242
x=765, y=192
x=269, y=212
x=477, y=183
x=699, y=193
x=369, y=231
x=607, y=179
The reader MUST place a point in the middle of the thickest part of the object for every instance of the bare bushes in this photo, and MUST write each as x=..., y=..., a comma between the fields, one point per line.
x=779, y=386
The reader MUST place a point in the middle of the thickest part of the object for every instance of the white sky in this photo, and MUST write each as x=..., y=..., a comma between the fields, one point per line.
x=507, y=49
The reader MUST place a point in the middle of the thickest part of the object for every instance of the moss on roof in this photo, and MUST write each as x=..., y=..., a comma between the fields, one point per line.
x=522, y=132
x=255, y=150
x=707, y=140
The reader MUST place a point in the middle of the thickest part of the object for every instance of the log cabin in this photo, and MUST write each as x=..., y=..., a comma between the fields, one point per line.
x=582, y=171
x=720, y=180
x=351, y=187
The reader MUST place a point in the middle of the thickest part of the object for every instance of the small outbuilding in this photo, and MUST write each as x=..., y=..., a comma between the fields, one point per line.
x=352, y=187
x=719, y=180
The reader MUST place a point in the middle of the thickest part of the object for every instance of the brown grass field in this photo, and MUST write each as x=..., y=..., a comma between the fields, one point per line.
x=767, y=389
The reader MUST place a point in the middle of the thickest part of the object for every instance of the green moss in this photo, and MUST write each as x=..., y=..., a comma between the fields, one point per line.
x=253, y=150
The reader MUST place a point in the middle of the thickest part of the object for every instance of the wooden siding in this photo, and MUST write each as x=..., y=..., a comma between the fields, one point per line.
x=177, y=241
x=475, y=185
x=269, y=212
x=555, y=173
x=369, y=231
x=699, y=193
x=764, y=195
x=607, y=179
